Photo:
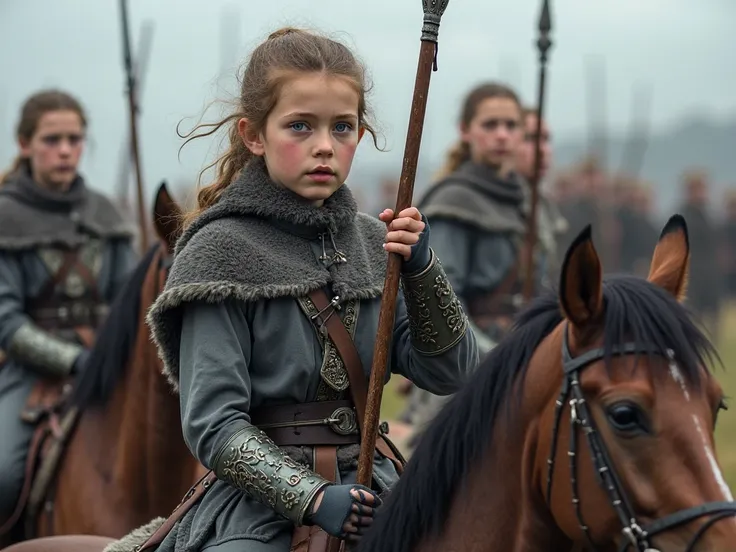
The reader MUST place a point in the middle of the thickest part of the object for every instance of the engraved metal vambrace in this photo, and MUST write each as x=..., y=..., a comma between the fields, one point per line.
x=42, y=352
x=437, y=320
x=252, y=462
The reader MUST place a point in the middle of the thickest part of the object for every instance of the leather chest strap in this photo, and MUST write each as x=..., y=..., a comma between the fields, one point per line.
x=347, y=351
x=357, y=377
x=70, y=260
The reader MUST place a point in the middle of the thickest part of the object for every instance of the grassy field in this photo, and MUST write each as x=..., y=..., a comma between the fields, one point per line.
x=726, y=430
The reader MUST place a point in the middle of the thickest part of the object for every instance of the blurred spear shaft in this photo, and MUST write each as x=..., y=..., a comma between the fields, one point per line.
x=133, y=109
x=145, y=40
x=543, y=45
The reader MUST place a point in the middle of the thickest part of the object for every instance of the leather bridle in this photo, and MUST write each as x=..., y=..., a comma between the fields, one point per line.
x=637, y=534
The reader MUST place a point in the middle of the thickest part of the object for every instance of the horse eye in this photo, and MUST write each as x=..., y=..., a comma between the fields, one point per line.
x=626, y=417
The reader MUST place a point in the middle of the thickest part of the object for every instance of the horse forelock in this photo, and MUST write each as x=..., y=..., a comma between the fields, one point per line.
x=462, y=432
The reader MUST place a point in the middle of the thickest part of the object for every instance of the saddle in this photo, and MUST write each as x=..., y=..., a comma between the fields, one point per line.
x=53, y=424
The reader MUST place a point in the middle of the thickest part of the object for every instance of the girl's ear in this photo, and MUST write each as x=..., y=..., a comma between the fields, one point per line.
x=361, y=132
x=252, y=141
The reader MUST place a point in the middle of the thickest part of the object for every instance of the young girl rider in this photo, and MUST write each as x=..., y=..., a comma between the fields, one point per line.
x=272, y=274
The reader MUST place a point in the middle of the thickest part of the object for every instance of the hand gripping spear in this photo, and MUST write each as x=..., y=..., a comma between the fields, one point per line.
x=543, y=45
x=133, y=108
x=433, y=10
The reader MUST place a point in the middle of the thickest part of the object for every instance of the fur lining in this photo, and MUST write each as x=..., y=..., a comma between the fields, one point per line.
x=136, y=537
x=473, y=195
x=28, y=222
x=256, y=243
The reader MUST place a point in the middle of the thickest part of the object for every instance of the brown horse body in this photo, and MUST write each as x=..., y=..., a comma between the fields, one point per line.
x=514, y=464
x=126, y=461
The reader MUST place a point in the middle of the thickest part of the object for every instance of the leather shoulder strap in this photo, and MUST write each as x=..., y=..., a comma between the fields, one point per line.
x=70, y=259
x=189, y=500
x=347, y=351
x=356, y=375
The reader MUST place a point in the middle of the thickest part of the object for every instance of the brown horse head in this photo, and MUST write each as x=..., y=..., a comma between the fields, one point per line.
x=589, y=427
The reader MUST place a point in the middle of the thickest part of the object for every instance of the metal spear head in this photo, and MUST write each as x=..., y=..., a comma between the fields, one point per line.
x=545, y=26
x=545, y=20
x=433, y=10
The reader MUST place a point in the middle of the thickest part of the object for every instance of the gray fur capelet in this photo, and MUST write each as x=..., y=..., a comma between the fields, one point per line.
x=254, y=244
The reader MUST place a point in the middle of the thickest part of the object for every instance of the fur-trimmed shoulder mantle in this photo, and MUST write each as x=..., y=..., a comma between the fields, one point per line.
x=32, y=217
x=475, y=196
x=257, y=243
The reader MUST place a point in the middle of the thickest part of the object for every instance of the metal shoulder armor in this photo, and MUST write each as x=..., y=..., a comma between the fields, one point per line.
x=436, y=318
x=252, y=462
x=43, y=352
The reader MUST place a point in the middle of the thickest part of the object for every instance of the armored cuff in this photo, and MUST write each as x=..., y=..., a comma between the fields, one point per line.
x=436, y=317
x=43, y=352
x=253, y=463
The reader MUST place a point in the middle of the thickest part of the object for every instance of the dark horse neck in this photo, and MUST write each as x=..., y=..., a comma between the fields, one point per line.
x=501, y=505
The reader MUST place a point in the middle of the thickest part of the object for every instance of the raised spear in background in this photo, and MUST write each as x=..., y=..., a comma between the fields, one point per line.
x=140, y=70
x=543, y=45
x=433, y=10
x=133, y=109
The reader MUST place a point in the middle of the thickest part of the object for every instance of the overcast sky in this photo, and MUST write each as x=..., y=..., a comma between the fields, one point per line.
x=682, y=49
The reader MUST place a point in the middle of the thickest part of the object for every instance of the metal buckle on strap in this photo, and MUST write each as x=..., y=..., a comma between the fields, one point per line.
x=342, y=421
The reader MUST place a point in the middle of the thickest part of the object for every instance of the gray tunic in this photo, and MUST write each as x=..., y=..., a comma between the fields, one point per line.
x=35, y=226
x=232, y=330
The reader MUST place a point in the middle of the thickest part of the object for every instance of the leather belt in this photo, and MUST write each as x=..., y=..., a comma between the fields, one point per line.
x=68, y=315
x=311, y=424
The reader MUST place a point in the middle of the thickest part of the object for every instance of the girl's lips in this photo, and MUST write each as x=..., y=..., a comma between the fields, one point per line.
x=321, y=176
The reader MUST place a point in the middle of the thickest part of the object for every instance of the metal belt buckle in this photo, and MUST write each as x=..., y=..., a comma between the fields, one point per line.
x=80, y=311
x=343, y=421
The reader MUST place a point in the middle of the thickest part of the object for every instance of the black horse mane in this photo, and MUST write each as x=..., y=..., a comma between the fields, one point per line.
x=108, y=358
x=462, y=431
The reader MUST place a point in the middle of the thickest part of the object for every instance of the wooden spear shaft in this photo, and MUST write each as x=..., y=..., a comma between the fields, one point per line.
x=433, y=10
x=543, y=45
x=133, y=109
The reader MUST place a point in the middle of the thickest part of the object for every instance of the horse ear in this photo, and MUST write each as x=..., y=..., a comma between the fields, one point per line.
x=671, y=260
x=167, y=217
x=581, y=281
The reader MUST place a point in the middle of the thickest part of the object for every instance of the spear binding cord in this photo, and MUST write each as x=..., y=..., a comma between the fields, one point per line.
x=543, y=45
x=433, y=10
x=133, y=109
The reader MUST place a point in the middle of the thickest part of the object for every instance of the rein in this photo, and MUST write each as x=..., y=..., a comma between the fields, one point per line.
x=637, y=535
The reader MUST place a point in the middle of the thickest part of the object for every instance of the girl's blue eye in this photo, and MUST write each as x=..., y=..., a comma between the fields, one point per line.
x=298, y=127
x=342, y=127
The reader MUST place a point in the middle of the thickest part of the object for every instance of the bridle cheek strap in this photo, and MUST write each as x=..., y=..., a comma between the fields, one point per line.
x=636, y=534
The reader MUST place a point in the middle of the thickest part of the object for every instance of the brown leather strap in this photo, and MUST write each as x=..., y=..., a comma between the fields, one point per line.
x=48, y=290
x=86, y=336
x=189, y=500
x=356, y=375
x=311, y=538
x=89, y=279
x=347, y=351
x=70, y=261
